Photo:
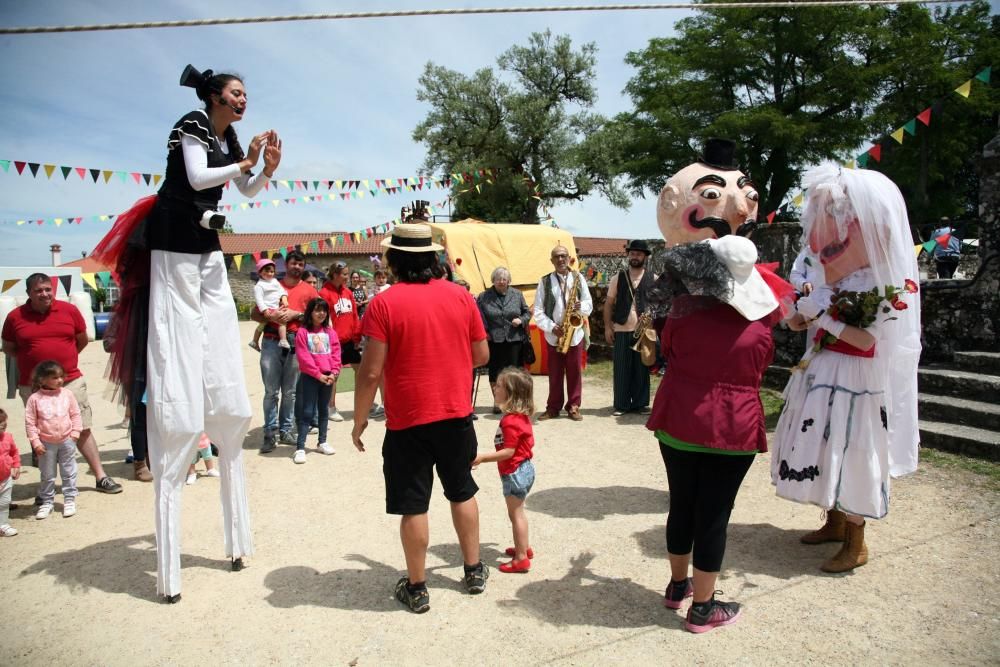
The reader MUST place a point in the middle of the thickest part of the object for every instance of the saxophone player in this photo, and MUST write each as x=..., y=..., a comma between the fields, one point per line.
x=625, y=304
x=562, y=306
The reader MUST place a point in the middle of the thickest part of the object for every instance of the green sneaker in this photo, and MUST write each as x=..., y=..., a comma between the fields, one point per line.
x=418, y=602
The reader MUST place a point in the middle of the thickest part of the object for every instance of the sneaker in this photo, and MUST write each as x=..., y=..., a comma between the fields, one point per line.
x=268, y=445
x=418, y=601
x=69, y=508
x=286, y=438
x=376, y=411
x=326, y=448
x=191, y=478
x=475, y=581
x=718, y=614
x=299, y=456
x=130, y=458
x=617, y=413
x=7, y=530
x=108, y=485
x=44, y=510
x=336, y=416
x=676, y=593
x=253, y=345
x=516, y=566
x=212, y=473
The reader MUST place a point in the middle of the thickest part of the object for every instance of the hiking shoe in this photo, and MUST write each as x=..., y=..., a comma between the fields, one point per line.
x=418, y=601
x=108, y=485
x=286, y=438
x=299, y=456
x=676, y=593
x=326, y=448
x=69, y=508
x=335, y=416
x=44, y=511
x=475, y=581
x=268, y=445
x=718, y=614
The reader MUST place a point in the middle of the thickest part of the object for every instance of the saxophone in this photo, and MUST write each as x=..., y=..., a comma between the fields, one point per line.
x=571, y=321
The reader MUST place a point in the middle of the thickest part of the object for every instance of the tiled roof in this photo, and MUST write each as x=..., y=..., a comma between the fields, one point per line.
x=591, y=246
x=243, y=244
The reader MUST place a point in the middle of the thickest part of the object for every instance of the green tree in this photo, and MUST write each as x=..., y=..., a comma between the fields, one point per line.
x=530, y=119
x=930, y=56
x=791, y=86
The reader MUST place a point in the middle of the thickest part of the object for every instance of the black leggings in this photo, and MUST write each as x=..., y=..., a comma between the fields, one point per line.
x=703, y=488
x=503, y=355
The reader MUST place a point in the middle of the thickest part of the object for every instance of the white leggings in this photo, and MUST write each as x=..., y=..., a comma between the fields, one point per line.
x=195, y=384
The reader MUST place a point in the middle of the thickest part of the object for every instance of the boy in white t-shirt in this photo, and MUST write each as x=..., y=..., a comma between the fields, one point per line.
x=270, y=297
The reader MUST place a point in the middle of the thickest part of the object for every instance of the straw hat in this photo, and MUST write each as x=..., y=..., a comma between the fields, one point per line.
x=411, y=237
x=751, y=295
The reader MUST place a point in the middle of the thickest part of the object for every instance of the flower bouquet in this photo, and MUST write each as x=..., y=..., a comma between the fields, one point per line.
x=860, y=309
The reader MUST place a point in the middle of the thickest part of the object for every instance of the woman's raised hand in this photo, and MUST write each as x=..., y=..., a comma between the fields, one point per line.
x=257, y=145
x=272, y=153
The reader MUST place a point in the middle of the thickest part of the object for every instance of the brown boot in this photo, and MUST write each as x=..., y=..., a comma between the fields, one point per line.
x=142, y=473
x=853, y=554
x=832, y=530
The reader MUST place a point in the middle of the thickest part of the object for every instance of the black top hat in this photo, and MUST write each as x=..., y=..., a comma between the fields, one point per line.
x=720, y=153
x=638, y=245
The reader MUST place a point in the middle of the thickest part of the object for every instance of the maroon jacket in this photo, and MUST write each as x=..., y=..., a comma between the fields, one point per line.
x=709, y=395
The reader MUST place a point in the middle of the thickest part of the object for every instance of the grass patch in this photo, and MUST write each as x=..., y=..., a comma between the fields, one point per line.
x=988, y=471
x=345, y=382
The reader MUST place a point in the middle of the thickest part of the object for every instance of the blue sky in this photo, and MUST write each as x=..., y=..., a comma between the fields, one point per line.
x=342, y=94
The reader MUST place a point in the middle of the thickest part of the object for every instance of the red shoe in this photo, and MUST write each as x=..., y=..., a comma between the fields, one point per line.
x=510, y=552
x=516, y=566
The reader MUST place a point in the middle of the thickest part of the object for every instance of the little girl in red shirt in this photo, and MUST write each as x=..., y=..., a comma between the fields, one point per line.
x=514, y=442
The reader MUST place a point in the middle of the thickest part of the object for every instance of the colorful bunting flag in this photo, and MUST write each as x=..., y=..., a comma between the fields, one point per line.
x=965, y=88
x=8, y=283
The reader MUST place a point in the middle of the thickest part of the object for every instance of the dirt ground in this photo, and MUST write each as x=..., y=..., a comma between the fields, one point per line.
x=82, y=591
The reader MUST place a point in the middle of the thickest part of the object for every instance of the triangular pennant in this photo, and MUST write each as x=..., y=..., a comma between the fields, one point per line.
x=918, y=249
x=965, y=88
x=146, y=177
x=67, y=283
x=284, y=252
x=49, y=168
x=122, y=176
x=238, y=261
x=65, y=171
x=137, y=177
x=798, y=199
x=984, y=75
x=156, y=179
x=876, y=152
x=863, y=160
x=8, y=283
x=33, y=166
x=89, y=279
x=80, y=171
x=107, y=175
x=104, y=277
x=19, y=166
x=5, y=164
x=911, y=126
x=898, y=135
x=929, y=245
x=770, y=217
x=94, y=173
x=943, y=240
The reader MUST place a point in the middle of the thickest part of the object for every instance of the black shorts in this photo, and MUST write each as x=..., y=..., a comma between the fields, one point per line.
x=349, y=354
x=408, y=459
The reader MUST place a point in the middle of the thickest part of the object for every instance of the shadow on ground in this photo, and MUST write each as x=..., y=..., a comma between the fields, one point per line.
x=125, y=566
x=594, y=504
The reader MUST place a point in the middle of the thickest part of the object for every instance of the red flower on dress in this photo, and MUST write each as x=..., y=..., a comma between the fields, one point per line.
x=898, y=304
x=909, y=287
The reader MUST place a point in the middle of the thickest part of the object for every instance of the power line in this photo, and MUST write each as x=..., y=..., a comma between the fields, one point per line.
x=467, y=11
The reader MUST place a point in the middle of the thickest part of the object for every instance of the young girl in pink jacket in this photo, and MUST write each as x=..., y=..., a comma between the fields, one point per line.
x=318, y=350
x=10, y=469
x=52, y=420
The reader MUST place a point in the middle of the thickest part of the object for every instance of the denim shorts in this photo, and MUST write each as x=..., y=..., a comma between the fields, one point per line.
x=519, y=482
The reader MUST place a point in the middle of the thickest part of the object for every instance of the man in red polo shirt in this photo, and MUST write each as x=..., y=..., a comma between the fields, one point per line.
x=426, y=335
x=46, y=329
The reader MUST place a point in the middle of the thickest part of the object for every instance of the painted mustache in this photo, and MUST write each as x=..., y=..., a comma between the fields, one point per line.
x=720, y=226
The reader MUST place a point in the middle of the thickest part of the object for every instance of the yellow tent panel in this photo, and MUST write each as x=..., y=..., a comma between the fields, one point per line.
x=476, y=248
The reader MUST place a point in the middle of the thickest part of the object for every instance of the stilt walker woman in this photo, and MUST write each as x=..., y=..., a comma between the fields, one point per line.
x=190, y=360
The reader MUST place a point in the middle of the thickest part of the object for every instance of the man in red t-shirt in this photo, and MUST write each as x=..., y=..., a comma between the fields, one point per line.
x=344, y=320
x=46, y=329
x=279, y=367
x=426, y=335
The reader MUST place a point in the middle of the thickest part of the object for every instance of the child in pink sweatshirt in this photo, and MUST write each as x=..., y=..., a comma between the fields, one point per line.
x=10, y=469
x=318, y=350
x=52, y=420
